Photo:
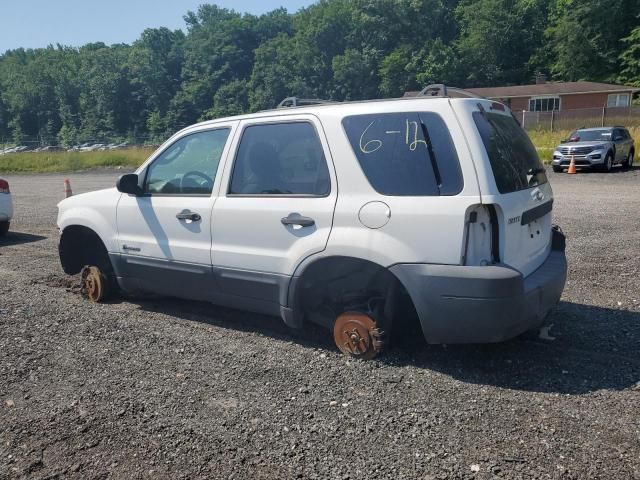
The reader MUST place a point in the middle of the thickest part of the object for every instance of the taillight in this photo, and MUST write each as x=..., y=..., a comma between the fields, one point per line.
x=4, y=186
x=481, y=236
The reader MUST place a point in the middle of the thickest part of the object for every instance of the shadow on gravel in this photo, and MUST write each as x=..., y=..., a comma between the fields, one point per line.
x=616, y=169
x=16, y=238
x=594, y=348
x=238, y=320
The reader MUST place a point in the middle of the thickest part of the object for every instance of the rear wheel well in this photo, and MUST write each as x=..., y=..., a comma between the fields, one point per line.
x=333, y=285
x=80, y=246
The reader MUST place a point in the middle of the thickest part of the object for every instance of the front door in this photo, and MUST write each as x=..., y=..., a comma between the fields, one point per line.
x=164, y=235
x=275, y=206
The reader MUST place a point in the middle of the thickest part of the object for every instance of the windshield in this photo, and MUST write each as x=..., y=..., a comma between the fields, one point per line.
x=513, y=158
x=589, y=135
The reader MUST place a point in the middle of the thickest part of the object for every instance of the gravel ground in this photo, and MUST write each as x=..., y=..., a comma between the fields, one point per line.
x=172, y=389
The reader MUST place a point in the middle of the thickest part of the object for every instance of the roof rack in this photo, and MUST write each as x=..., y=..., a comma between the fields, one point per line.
x=298, y=102
x=441, y=90
x=434, y=90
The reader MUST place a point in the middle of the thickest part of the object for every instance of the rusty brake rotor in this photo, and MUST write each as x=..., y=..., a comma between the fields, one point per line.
x=356, y=334
x=94, y=283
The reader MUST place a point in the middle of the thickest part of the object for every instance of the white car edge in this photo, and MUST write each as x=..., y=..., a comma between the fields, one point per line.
x=6, y=206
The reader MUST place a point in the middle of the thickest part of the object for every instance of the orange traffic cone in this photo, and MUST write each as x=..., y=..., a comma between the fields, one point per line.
x=67, y=188
x=572, y=165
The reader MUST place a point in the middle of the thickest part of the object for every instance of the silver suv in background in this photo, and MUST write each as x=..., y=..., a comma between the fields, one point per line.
x=600, y=148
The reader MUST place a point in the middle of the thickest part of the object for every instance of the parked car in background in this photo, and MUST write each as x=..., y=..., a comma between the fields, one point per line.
x=6, y=207
x=597, y=148
x=443, y=208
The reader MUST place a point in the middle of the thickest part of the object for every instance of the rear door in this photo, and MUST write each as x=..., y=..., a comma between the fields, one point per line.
x=276, y=206
x=513, y=179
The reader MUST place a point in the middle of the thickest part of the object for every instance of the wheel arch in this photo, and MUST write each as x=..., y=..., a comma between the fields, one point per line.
x=319, y=273
x=78, y=246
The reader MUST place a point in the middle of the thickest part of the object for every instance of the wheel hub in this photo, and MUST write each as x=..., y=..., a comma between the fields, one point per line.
x=357, y=334
x=93, y=283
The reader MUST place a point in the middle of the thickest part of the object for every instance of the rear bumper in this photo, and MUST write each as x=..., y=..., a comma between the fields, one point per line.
x=463, y=304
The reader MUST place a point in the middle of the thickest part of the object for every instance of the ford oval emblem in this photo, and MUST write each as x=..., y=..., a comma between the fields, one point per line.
x=537, y=195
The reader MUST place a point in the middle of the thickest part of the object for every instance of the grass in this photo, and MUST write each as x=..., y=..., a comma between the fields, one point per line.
x=545, y=141
x=48, y=162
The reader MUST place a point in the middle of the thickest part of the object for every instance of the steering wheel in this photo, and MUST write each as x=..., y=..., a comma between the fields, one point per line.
x=194, y=173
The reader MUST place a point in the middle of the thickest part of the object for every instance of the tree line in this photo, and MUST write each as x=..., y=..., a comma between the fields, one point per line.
x=228, y=63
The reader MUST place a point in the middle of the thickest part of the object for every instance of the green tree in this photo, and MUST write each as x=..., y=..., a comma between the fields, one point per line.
x=230, y=99
x=275, y=74
x=228, y=63
x=584, y=37
x=630, y=58
x=104, y=100
x=497, y=39
x=355, y=75
x=397, y=72
x=438, y=63
x=154, y=68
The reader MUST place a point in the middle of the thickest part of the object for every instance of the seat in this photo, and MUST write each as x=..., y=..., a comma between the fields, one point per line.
x=265, y=170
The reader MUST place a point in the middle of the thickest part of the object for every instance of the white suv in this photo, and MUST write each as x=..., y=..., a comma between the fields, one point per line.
x=337, y=214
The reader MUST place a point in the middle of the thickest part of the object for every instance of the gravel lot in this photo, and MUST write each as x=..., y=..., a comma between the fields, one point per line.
x=172, y=389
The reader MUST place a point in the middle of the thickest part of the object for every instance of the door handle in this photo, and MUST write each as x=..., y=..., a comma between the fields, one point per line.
x=297, y=219
x=188, y=215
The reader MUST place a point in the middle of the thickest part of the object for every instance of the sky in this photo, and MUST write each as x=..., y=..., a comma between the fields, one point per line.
x=38, y=23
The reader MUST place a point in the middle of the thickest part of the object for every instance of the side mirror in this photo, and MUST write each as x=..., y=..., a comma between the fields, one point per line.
x=129, y=184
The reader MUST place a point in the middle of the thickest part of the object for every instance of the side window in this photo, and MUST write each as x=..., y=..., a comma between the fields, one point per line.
x=405, y=153
x=188, y=166
x=280, y=158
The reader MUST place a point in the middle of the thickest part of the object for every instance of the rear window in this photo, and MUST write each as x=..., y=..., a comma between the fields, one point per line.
x=405, y=153
x=513, y=158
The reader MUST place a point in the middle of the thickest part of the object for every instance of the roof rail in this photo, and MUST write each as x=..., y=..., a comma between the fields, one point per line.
x=441, y=90
x=298, y=102
x=434, y=90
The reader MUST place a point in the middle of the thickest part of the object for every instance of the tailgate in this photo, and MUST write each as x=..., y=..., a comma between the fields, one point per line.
x=516, y=185
x=525, y=233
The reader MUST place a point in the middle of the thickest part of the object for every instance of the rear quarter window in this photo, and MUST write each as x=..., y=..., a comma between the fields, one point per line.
x=405, y=154
x=514, y=160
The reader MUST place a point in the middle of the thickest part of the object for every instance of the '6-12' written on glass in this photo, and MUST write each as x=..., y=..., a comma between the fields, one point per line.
x=410, y=137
